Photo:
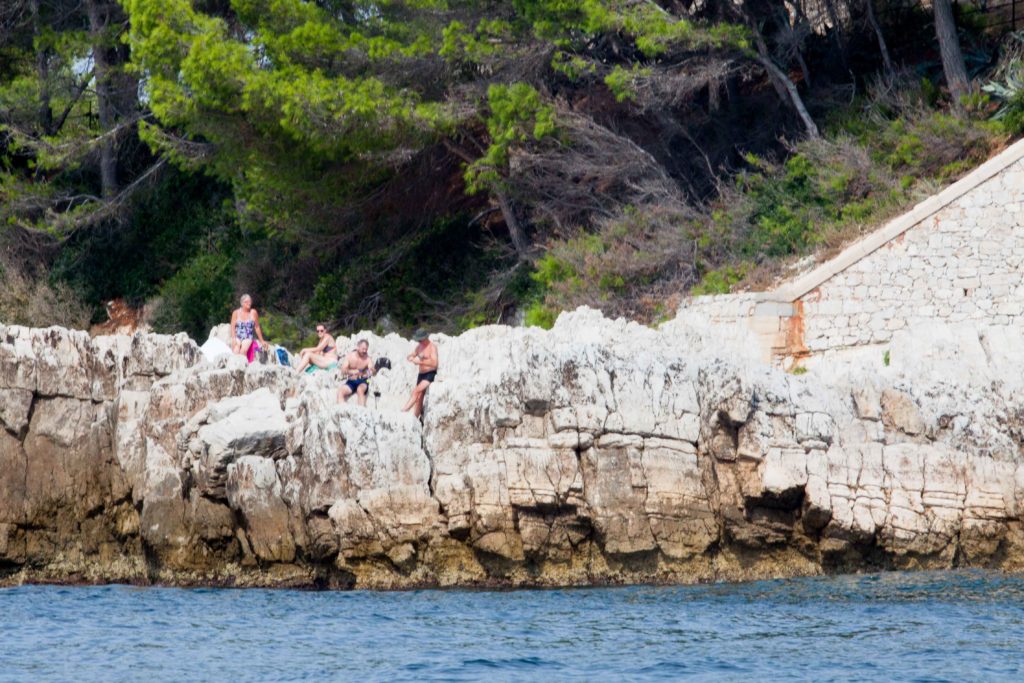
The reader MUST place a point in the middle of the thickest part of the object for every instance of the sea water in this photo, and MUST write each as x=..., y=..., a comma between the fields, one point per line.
x=948, y=626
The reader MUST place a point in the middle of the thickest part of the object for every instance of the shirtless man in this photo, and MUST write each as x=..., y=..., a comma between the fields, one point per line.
x=358, y=368
x=425, y=356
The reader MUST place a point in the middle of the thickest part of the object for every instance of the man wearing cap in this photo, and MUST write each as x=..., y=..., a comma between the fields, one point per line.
x=425, y=356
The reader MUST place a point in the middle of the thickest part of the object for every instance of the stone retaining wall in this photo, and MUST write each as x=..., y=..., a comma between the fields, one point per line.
x=956, y=259
x=962, y=264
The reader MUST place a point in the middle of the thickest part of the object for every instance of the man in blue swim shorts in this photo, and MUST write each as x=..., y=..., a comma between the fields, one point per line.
x=357, y=368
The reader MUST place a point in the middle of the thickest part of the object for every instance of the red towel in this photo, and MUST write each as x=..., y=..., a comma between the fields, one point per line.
x=253, y=348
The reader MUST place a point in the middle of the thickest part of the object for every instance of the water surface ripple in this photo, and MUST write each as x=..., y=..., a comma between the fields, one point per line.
x=946, y=626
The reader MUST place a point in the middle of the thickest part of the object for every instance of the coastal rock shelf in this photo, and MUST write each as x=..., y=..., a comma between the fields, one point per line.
x=598, y=452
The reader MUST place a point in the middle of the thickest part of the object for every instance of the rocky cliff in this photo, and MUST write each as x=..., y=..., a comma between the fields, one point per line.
x=598, y=452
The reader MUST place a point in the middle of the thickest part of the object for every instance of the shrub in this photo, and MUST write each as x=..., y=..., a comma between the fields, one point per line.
x=720, y=281
x=538, y=314
x=36, y=300
x=197, y=297
x=288, y=331
x=1007, y=85
x=876, y=156
x=628, y=267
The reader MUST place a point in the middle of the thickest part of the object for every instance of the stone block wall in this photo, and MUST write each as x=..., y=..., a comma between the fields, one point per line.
x=963, y=264
x=952, y=266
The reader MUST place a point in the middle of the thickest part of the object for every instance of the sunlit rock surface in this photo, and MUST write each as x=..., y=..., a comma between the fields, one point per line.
x=598, y=452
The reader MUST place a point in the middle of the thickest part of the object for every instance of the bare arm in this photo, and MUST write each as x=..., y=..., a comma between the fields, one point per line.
x=259, y=331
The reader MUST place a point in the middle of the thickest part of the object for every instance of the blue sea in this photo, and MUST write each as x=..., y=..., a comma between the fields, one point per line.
x=948, y=626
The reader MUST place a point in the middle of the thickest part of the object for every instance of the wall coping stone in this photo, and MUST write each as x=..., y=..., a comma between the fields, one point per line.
x=797, y=288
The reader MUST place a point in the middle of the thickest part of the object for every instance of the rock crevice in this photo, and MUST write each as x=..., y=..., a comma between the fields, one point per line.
x=597, y=452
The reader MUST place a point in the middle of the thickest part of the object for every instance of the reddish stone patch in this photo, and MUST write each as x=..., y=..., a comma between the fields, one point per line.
x=795, y=347
x=122, y=318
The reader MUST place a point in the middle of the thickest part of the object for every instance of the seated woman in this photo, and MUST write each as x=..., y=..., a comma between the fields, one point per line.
x=245, y=324
x=323, y=355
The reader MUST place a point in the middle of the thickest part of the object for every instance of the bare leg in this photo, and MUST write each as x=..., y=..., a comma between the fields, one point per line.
x=303, y=361
x=418, y=411
x=412, y=399
x=361, y=394
x=344, y=393
x=235, y=346
x=321, y=360
x=243, y=346
x=416, y=400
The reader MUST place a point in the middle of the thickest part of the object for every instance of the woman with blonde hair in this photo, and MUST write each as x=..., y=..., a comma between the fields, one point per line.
x=245, y=327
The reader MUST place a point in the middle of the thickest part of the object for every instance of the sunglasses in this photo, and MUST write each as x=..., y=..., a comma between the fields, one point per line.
x=320, y=329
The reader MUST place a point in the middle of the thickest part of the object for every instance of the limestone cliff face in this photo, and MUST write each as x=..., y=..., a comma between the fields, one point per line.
x=600, y=451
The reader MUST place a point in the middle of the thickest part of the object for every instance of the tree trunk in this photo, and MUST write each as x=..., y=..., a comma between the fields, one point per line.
x=883, y=48
x=803, y=68
x=99, y=16
x=515, y=231
x=949, y=45
x=42, y=73
x=783, y=85
x=836, y=34
x=783, y=80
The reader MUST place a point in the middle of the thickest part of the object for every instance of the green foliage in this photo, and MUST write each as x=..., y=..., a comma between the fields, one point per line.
x=444, y=268
x=287, y=331
x=517, y=114
x=720, y=281
x=539, y=314
x=197, y=297
x=868, y=165
x=464, y=46
x=334, y=134
x=885, y=358
x=276, y=99
x=1010, y=92
x=329, y=290
x=172, y=221
x=623, y=82
x=572, y=66
x=550, y=270
x=786, y=203
x=653, y=30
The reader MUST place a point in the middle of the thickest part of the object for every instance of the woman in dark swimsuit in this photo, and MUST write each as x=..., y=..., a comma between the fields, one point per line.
x=323, y=355
x=245, y=326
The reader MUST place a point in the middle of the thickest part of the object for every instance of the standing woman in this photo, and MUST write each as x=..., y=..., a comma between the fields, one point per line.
x=323, y=355
x=245, y=323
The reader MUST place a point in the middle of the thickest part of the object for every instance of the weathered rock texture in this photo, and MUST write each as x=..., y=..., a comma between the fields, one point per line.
x=597, y=452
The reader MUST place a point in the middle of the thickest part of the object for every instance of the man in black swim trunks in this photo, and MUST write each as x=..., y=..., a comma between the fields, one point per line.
x=358, y=368
x=425, y=356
